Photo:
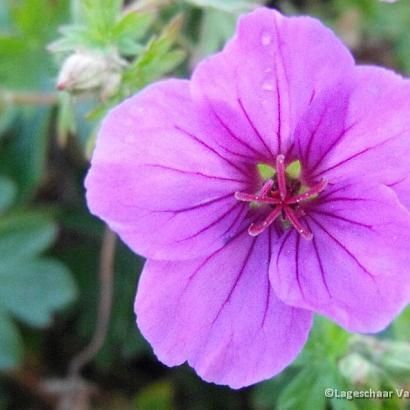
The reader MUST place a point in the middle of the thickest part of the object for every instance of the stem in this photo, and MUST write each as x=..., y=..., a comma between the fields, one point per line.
x=28, y=98
x=106, y=275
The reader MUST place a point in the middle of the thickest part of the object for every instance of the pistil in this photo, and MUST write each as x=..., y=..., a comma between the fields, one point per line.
x=283, y=201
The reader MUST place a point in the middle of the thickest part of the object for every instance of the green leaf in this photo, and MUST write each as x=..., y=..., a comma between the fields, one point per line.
x=326, y=340
x=401, y=326
x=24, y=236
x=306, y=390
x=33, y=290
x=231, y=6
x=24, y=155
x=8, y=191
x=156, y=396
x=101, y=25
x=265, y=394
x=216, y=27
x=34, y=23
x=32, y=287
x=11, y=346
x=157, y=59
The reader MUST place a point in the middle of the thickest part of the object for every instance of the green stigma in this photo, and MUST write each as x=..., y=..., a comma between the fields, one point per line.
x=294, y=169
x=265, y=171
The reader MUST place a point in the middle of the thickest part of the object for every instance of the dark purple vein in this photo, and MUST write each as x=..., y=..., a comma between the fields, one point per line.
x=198, y=206
x=359, y=153
x=199, y=141
x=341, y=218
x=282, y=246
x=232, y=134
x=313, y=135
x=242, y=210
x=319, y=260
x=332, y=146
x=213, y=223
x=238, y=278
x=255, y=130
x=353, y=257
x=268, y=279
x=297, y=273
x=200, y=174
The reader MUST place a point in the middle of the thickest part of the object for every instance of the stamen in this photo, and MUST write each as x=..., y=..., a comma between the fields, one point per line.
x=293, y=219
x=316, y=189
x=280, y=170
x=257, y=228
x=244, y=197
x=266, y=188
x=283, y=201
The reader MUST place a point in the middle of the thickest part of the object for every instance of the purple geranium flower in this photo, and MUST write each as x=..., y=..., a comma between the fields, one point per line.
x=273, y=184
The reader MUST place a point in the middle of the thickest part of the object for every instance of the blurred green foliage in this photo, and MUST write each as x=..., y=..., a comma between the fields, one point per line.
x=50, y=244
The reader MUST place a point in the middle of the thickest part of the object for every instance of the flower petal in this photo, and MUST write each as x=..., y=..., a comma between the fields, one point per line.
x=356, y=268
x=402, y=189
x=265, y=78
x=368, y=136
x=158, y=183
x=220, y=314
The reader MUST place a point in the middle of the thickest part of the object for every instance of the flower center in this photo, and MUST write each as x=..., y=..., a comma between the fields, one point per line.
x=283, y=195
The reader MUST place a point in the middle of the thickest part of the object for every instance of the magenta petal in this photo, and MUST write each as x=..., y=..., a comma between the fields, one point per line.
x=376, y=125
x=220, y=314
x=158, y=183
x=260, y=85
x=402, y=189
x=356, y=268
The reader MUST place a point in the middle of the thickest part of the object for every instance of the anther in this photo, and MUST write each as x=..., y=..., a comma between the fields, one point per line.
x=293, y=219
x=316, y=189
x=257, y=228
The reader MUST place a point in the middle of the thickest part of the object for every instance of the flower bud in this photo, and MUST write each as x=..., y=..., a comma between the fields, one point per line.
x=89, y=70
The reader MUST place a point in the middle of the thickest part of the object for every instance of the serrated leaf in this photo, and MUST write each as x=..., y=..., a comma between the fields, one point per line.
x=132, y=25
x=101, y=25
x=157, y=59
x=33, y=290
x=23, y=46
x=11, y=346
